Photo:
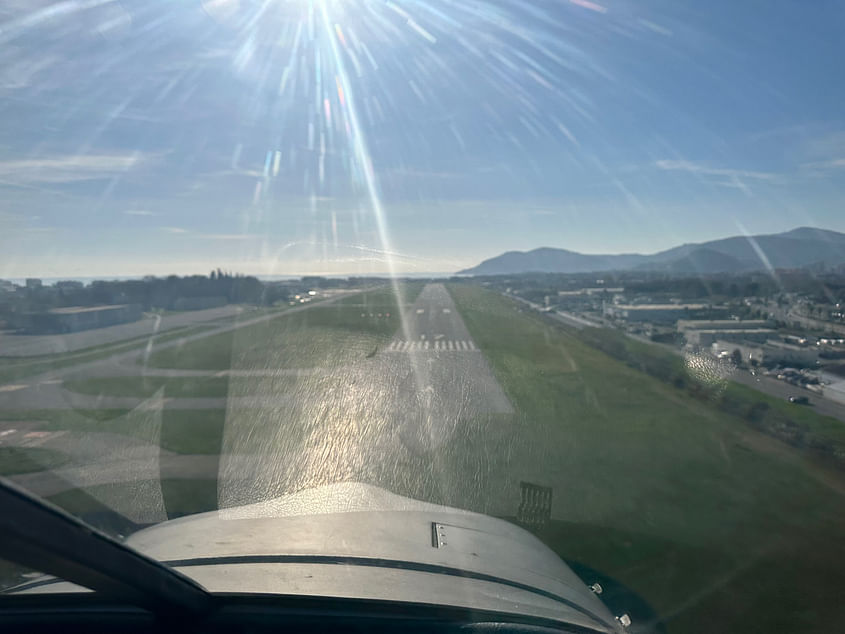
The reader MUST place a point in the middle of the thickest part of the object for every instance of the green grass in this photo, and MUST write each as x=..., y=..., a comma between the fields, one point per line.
x=181, y=497
x=174, y=333
x=825, y=427
x=145, y=386
x=321, y=336
x=717, y=526
x=17, y=368
x=193, y=431
x=821, y=436
x=179, y=430
x=17, y=460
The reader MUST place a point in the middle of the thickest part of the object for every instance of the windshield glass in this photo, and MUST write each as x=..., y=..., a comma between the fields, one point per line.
x=576, y=265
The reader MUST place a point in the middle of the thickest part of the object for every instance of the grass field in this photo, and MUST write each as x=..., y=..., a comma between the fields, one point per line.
x=718, y=527
x=181, y=497
x=145, y=386
x=322, y=336
x=179, y=430
x=17, y=368
x=821, y=436
x=15, y=460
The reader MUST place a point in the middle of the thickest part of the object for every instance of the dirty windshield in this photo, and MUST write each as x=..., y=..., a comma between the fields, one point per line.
x=577, y=265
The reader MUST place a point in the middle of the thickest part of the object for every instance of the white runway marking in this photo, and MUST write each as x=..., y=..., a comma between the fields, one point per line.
x=453, y=345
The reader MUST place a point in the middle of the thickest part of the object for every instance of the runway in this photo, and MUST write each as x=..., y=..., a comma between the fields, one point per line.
x=428, y=422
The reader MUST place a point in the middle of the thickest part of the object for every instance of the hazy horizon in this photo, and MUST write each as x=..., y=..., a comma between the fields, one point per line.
x=342, y=275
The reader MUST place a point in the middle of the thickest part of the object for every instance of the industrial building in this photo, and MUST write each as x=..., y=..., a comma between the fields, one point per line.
x=770, y=353
x=704, y=338
x=705, y=332
x=75, y=318
x=601, y=290
x=720, y=324
x=584, y=298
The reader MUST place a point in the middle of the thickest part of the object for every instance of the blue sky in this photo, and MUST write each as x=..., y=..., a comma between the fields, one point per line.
x=356, y=136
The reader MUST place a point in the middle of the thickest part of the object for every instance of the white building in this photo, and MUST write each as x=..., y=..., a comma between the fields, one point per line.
x=705, y=332
x=654, y=313
x=769, y=353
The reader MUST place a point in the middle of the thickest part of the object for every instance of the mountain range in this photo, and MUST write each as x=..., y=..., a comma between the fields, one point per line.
x=799, y=248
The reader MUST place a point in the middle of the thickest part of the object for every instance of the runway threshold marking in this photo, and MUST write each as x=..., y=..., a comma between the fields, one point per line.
x=449, y=345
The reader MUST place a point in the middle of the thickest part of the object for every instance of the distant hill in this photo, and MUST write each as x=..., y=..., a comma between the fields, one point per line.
x=799, y=248
x=548, y=260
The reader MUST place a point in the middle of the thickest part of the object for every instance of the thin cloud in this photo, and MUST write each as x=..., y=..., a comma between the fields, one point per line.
x=829, y=145
x=236, y=172
x=208, y=236
x=826, y=166
x=705, y=170
x=139, y=212
x=592, y=6
x=226, y=236
x=69, y=168
x=24, y=72
x=722, y=176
